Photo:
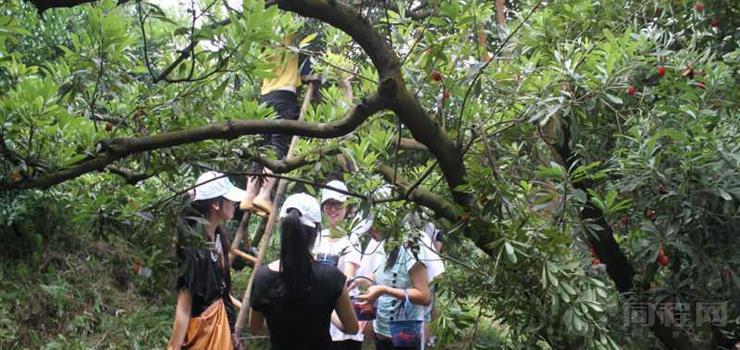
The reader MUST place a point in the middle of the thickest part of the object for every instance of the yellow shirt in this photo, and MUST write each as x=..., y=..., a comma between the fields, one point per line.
x=285, y=72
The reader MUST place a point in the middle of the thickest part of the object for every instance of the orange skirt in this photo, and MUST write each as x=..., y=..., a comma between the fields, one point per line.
x=210, y=330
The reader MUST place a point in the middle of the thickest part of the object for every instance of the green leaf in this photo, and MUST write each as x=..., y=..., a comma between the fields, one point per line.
x=307, y=40
x=510, y=252
x=220, y=89
x=614, y=99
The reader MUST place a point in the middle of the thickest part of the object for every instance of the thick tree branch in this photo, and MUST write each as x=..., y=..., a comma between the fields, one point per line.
x=412, y=145
x=436, y=203
x=115, y=149
x=608, y=251
x=291, y=163
x=405, y=104
x=347, y=19
x=43, y=5
x=415, y=14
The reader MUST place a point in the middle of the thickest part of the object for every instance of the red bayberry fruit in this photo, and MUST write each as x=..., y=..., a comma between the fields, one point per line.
x=661, y=71
x=650, y=214
x=625, y=219
x=631, y=90
x=714, y=22
x=445, y=95
x=108, y=126
x=16, y=176
x=436, y=76
x=663, y=260
x=699, y=6
x=595, y=261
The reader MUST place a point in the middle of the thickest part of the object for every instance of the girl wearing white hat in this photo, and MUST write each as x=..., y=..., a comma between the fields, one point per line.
x=205, y=313
x=337, y=248
x=295, y=296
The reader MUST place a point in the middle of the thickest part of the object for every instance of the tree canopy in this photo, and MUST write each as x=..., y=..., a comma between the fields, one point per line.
x=584, y=156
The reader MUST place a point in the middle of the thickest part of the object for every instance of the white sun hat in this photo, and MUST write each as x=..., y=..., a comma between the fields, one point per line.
x=327, y=194
x=208, y=188
x=306, y=205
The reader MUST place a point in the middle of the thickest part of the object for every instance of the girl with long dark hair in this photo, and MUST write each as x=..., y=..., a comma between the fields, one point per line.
x=296, y=296
x=205, y=313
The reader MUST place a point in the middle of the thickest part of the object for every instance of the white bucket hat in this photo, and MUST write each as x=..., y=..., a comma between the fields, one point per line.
x=327, y=194
x=306, y=205
x=208, y=188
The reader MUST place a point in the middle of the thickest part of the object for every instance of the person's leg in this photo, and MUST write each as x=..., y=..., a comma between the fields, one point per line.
x=253, y=187
x=346, y=345
x=383, y=344
x=353, y=345
x=285, y=103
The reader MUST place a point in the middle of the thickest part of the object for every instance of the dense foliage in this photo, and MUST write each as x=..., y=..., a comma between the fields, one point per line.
x=593, y=119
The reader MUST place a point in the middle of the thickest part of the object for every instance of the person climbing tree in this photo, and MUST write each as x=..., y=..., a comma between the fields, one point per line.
x=296, y=295
x=205, y=313
x=281, y=93
x=335, y=247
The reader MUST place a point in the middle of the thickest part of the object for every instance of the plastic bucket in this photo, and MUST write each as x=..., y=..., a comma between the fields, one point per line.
x=406, y=333
x=364, y=311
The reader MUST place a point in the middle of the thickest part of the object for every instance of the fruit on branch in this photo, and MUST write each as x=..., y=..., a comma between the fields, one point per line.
x=631, y=90
x=661, y=71
x=699, y=6
x=436, y=75
x=650, y=214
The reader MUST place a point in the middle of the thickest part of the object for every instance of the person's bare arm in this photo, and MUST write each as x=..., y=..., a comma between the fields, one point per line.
x=235, y=301
x=344, y=317
x=182, y=319
x=350, y=269
x=419, y=294
x=257, y=323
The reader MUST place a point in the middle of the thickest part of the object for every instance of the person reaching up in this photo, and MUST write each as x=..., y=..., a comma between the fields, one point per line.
x=281, y=93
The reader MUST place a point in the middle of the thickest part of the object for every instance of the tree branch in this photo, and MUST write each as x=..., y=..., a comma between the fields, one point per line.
x=412, y=145
x=43, y=5
x=115, y=149
x=291, y=163
x=404, y=104
x=607, y=249
x=436, y=203
x=130, y=177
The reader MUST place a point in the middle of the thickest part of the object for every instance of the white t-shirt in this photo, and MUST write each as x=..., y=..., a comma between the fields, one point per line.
x=343, y=250
x=374, y=256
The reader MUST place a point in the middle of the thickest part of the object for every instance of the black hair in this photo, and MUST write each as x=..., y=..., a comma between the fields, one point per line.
x=202, y=207
x=392, y=258
x=296, y=240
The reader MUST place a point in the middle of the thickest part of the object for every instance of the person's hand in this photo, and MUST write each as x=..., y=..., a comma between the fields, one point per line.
x=351, y=284
x=372, y=294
